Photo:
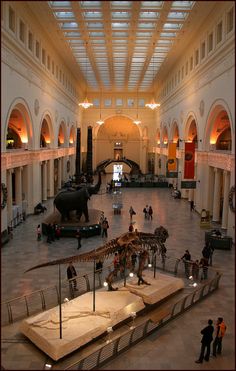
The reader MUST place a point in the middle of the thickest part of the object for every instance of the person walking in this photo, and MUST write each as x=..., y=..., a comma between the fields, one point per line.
x=105, y=227
x=71, y=272
x=220, y=332
x=131, y=212
x=204, y=265
x=145, y=211
x=39, y=235
x=207, y=338
x=78, y=236
x=206, y=252
x=192, y=205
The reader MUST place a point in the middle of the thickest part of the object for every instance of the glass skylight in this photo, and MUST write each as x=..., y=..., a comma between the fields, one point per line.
x=119, y=38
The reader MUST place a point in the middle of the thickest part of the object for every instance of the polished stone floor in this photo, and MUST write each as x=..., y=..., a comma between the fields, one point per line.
x=174, y=347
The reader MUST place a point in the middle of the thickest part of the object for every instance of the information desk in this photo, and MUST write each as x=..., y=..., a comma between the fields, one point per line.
x=221, y=243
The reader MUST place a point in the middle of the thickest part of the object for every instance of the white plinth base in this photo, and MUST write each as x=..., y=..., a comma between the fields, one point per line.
x=160, y=287
x=80, y=324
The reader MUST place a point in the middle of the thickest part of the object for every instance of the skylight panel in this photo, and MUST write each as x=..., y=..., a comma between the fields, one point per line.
x=149, y=15
x=120, y=15
x=96, y=34
x=152, y=4
x=93, y=25
x=177, y=15
x=172, y=26
x=98, y=41
x=68, y=25
x=92, y=15
x=183, y=4
x=90, y=4
x=144, y=34
x=59, y=4
x=72, y=34
x=64, y=15
x=117, y=25
x=121, y=4
x=147, y=26
x=168, y=34
x=119, y=34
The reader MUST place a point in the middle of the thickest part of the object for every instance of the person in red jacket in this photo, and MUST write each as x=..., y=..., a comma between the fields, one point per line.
x=220, y=332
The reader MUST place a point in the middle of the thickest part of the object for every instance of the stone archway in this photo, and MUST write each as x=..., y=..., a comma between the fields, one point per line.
x=118, y=138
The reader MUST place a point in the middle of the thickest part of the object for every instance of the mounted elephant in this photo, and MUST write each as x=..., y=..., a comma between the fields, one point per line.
x=68, y=201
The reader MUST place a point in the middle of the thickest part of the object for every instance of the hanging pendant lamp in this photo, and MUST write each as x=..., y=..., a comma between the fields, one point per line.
x=153, y=105
x=86, y=104
x=137, y=121
x=100, y=121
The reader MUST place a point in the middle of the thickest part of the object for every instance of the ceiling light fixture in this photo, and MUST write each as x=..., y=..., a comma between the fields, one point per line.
x=100, y=121
x=137, y=121
x=86, y=104
x=153, y=105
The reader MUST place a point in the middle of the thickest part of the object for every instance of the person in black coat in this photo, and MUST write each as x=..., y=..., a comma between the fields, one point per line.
x=207, y=338
x=71, y=272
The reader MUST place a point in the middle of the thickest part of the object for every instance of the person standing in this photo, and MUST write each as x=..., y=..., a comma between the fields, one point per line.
x=105, y=227
x=186, y=259
x=78, y=236
x=39, y=233
x=150, y=212
x=207, y=338
x=131, y=227
x=220, y=332
x=71, y=272
x=204, y=265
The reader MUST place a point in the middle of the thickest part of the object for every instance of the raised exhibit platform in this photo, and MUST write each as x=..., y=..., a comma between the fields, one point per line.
x=68, y=228
x=160, y=287
x=80, y=324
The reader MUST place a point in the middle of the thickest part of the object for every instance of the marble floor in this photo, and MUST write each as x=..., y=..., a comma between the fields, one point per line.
x=174, y=347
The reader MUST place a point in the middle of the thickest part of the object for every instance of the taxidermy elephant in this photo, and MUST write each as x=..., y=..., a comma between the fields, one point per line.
x=68, y=201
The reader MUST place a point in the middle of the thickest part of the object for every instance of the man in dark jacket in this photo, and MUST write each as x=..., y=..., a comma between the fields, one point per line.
x=207, y=338
x=71, y=272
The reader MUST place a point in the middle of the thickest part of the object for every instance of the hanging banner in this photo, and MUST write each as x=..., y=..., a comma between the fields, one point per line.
x=171, y=157
x=189, y=158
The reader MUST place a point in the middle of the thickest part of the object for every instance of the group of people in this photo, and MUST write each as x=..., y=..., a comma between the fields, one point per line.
x=204, y=262
x=148, y=212
x=207, y=339
x=53, y=232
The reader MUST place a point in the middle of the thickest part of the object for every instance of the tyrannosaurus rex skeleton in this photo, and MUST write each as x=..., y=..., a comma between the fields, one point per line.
x=126, y=245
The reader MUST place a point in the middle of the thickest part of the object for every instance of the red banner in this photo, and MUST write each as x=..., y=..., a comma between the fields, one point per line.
x=172, y=157
x=189, y=158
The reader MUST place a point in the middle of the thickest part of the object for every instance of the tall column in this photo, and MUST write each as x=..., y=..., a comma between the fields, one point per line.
x=18, y=186
x=90, y=150
x=78, y=155
x=50, y=178
x=44, y=193
x=9, y=196
x=59, y=173
x=225, y=202
x=216, y=197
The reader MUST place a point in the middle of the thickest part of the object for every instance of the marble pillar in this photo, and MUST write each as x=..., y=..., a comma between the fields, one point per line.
x=216, y=197
x=50, y=178
x=59, y=173
x=18, y=186
x=44, y=183
x=225, y=202
x=9, y=196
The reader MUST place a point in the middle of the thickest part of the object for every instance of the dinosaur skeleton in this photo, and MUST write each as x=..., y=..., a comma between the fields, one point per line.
x=125, y=245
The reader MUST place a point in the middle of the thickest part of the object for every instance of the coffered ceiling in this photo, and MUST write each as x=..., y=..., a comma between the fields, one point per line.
x=120, y=45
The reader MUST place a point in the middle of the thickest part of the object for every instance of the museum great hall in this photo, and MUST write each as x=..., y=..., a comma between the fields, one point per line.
x=148, y=86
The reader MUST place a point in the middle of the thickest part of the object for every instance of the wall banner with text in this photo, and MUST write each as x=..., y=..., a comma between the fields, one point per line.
x=189, y=159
